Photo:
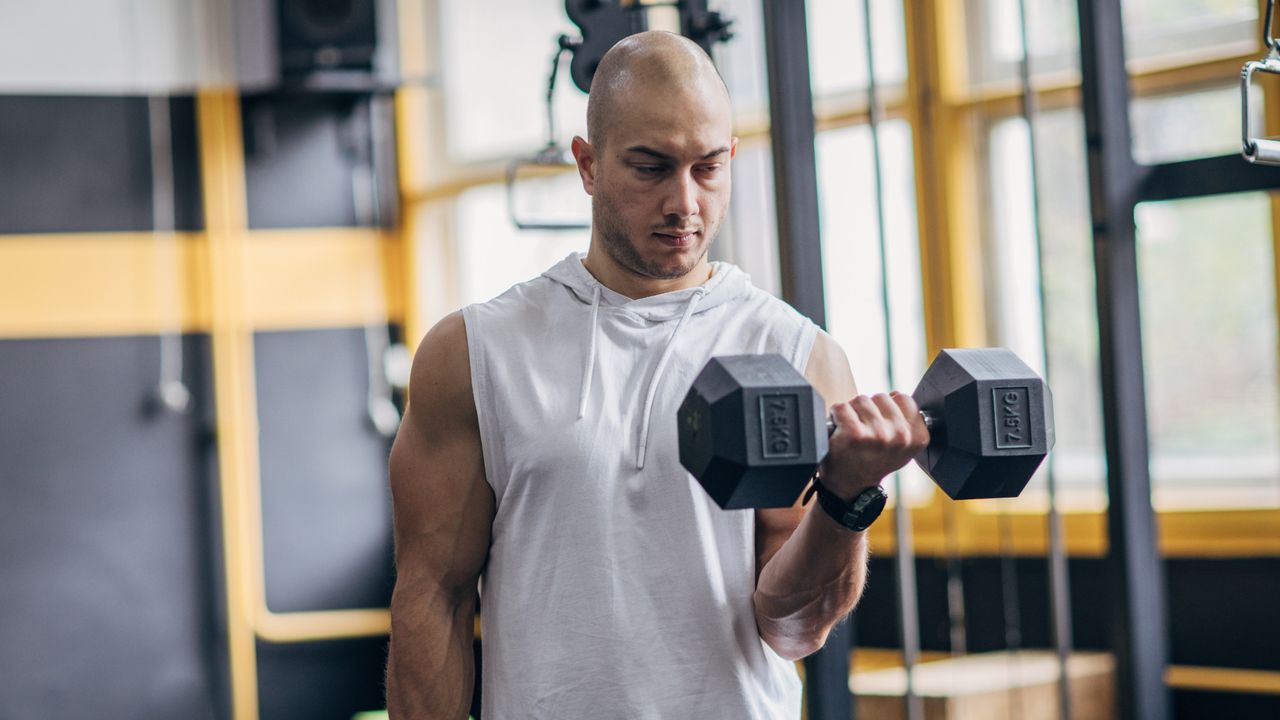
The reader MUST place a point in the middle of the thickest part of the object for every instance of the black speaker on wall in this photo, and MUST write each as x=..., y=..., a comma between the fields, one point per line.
x=316, y=45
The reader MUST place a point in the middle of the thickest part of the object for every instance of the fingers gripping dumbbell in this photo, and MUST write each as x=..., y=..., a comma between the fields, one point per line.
x=753, y=431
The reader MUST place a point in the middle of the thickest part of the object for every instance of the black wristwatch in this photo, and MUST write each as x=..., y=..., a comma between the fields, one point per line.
x=857, y=514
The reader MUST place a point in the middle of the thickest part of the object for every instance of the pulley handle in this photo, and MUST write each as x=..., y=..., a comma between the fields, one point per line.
x=1260, y=150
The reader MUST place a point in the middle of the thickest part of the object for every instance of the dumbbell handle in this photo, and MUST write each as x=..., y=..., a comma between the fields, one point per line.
x=930, y=421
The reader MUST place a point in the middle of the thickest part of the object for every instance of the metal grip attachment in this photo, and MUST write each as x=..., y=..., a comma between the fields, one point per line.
x=1260, y=150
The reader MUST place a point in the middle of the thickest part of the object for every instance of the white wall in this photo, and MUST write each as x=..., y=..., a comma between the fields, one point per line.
x=113, y=46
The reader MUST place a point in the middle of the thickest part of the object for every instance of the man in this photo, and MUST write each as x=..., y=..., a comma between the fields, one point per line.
x=539, y=450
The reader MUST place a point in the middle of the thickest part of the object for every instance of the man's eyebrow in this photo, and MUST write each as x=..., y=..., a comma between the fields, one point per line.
x=650, y=152
x=643, y=150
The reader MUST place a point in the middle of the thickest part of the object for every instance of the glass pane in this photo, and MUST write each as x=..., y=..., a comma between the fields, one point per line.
x=557, y=198
x=1154, y=28
x=749, y=236
x=492, y=254
x=1190, y=125
x=994, y=45
x=837, y=50
x=496, y=101
x=742, y=60
x=851, y=261
x=1070, y=318
x=1209, y=336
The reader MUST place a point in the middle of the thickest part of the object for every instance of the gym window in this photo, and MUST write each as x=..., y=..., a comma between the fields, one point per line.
x=1208, y=267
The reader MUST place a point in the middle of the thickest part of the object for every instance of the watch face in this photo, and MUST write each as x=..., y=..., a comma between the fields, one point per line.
x=865, y=508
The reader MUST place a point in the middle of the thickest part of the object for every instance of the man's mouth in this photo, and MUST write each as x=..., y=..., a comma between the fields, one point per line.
x=677, y=238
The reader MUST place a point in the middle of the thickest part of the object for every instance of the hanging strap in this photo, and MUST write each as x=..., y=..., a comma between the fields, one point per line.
x=904, y=555
x=1059, y=580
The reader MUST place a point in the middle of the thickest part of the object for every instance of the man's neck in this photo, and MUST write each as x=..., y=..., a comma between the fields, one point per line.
x=635, y=286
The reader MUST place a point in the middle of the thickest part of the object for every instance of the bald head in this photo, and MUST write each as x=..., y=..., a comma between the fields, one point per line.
x=645, y=65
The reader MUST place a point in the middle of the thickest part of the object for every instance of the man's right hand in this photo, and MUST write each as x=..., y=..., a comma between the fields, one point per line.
x=875, y=435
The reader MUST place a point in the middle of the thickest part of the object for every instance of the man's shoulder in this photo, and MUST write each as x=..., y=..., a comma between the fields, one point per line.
x=522, y=296
x=769, y=308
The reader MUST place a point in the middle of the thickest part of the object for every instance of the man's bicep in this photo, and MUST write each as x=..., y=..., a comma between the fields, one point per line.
x=828, y=371
x=774, y=527
x=442, y=504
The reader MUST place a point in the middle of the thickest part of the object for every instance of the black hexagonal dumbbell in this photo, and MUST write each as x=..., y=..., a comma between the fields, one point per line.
x=752, y=430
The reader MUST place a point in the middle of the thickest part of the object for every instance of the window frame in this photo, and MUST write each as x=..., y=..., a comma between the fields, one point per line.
x=951, y=225
x=942, y=112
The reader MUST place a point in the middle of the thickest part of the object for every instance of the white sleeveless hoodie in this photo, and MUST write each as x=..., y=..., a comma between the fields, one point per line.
x=615, y=587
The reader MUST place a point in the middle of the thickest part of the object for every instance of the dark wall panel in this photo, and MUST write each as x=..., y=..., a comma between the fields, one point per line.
x=83, y=164
x=326, y=504
x=1202, y=632
x=1189, y=705
x=1222, y=613
x=321, y=681
x=300, y=159
x=984, y=605
x=106, y=606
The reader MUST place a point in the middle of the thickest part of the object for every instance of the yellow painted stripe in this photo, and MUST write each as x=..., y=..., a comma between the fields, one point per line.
x=91, y=284
x=410, y=111
x=1182, y=534
x=411, y=22
x=321, y=278
x=324, y=625
x=102, y=284
x=222, y=163
x=1182, y=677
x=1219, y=679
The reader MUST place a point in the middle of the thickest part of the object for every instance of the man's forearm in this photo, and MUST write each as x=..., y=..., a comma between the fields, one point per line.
x=809, y=585
x=431, y=664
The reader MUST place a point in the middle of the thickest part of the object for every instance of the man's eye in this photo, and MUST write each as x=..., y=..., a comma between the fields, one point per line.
x=711, y=169
x=648, y=169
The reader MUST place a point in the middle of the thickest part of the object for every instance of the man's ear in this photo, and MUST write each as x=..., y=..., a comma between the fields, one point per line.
x=585, y=155
x=733, y=148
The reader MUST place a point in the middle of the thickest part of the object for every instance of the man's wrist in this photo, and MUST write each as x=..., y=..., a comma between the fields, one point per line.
x=855, y=514
x=847, y=487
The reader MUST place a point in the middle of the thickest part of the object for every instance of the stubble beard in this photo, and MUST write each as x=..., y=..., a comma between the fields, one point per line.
x=613, y=237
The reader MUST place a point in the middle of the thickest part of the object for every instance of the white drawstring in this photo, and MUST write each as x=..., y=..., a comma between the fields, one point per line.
x=657, y=375
x=589, y=370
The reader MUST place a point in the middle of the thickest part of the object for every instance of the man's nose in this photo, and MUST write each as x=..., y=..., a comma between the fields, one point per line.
x=682, y=197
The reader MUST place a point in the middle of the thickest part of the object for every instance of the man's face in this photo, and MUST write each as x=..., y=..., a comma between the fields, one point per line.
x=660, y=183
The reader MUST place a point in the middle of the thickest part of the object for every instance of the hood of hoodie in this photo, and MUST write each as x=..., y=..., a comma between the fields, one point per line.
x=727, y=283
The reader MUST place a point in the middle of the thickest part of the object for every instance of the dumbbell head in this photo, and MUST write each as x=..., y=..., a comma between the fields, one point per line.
x=752, y=431
x=996, y=422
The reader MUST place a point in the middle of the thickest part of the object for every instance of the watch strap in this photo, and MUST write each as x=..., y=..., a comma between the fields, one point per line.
x=858, y=513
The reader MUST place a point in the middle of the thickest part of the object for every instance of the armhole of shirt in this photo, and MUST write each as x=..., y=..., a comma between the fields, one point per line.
x=804, y=343
x=480, y=394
